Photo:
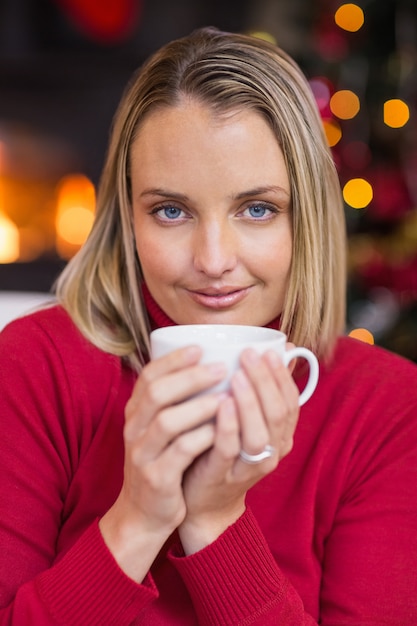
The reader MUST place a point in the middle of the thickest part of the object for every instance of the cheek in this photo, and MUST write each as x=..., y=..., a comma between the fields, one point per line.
x=158, y=262
x=272, y=258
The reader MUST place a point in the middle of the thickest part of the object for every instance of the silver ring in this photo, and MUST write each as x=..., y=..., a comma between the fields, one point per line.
x=252, y=459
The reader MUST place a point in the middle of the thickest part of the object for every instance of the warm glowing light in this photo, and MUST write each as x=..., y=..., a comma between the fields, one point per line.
x=357, y=193
x=396, y=113
x=76, y=190
x=74, y=224
x=344, y=104
x=9, y=240
x=333, y=132
x=363, y=335
x=75, y=212
x=349, y=17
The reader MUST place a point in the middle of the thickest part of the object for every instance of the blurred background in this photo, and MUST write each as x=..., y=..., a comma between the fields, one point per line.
x=65, y=63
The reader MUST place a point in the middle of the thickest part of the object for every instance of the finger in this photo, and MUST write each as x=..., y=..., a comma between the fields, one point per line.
x=163, y=476
x=264, y=380
x=180, y=385
x=175, y=360
x=227, y=436
x=293, y=363
x=277, y=394
x=184, y=449
x=172, y=362
x=154, y=394
x=173, y=422
x=254, y=432
x=282, y=378
x=289, y=398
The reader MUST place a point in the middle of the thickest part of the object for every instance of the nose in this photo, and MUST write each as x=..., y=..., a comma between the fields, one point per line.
x=215, y=248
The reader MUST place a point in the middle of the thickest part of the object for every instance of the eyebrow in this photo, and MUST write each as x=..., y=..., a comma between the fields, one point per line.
x=165, y=193
x=256, y=191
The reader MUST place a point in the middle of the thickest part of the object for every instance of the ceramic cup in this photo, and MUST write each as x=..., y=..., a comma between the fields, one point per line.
x=224, y=343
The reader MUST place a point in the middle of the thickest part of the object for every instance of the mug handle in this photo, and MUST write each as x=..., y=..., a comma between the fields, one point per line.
x=313, y=378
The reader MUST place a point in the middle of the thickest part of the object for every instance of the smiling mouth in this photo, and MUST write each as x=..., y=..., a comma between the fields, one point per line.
x=219, y=299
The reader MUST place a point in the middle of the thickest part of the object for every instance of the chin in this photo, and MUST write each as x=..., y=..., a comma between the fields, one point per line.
x=222, y=318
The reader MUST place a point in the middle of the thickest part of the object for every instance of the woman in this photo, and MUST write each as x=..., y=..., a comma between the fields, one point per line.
x=122, y=501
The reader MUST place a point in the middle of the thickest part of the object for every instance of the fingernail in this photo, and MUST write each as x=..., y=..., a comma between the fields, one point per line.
x=218, y=370
x=273, y=358
x=229, y=407
x=251, y=356
x=241, y=379
x=192, y=352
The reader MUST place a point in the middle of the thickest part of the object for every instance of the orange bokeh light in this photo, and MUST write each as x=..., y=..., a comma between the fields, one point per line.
x=76, y=201
x=363, y=335
x=345, y=104
x=350, y=17
x=358, y=193
x=396, y=113
x=9, y=240
x=333, y=131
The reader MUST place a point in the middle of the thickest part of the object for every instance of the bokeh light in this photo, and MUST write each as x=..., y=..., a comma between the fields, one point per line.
x=363, y=335
x=345, y=104
x=321, y=90
x=331, y=44
x=396, y=113
x=350, y=17
x=357, y=193
x=9, y=240
x=333, y=131
x=108, y=22
x=74, y=224
x=75, y=213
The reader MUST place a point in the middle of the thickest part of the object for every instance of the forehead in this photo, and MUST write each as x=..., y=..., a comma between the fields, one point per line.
x=191, y=137
x=189, y=112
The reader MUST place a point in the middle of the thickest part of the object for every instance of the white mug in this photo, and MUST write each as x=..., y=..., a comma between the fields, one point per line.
x=225, y=342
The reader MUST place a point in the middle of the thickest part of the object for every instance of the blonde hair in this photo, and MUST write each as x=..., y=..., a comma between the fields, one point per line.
x=100, y=286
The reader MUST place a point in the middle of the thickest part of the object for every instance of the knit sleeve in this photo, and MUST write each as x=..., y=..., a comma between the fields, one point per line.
x=85, y=587
x=39, y=447
x=235, y=580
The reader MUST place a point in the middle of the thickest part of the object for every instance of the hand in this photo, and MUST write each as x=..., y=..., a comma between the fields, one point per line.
x=262, y=409
x=267, y=400
x=166, y=429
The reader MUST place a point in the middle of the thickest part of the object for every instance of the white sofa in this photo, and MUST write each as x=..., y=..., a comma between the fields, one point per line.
x=16, y=303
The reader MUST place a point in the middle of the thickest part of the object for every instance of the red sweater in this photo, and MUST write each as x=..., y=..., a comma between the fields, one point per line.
x=329, y=537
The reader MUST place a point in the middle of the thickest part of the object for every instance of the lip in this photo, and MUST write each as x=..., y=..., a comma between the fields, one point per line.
x=217, y=299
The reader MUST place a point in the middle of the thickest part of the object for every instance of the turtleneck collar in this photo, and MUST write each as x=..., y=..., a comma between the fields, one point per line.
x=158, y=318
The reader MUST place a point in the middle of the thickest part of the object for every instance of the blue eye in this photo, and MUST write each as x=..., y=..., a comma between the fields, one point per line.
x=259, y=211
x=168, y=213
x=171, y=212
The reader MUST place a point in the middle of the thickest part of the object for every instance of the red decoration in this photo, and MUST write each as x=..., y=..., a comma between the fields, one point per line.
x=328, y=40
x=391, y=196
x=106, y=21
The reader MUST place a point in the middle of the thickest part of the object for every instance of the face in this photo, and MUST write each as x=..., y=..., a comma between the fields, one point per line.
x=212, y=220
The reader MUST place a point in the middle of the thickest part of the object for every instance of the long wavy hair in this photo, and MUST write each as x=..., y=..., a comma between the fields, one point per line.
x=100, y=286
